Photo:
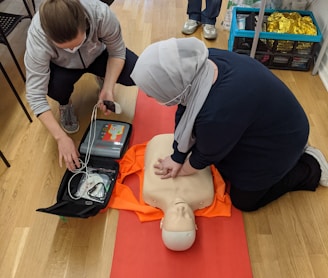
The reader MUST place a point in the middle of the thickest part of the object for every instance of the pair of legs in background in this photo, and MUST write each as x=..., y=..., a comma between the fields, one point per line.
x=310, y=171
x=206, y=17
x=62, y=80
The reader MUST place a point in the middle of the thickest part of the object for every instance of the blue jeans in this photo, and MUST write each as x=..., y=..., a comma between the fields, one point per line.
x=208, y=15
x=62, y=80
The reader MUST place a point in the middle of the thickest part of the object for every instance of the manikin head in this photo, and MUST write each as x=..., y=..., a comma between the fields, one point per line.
x=178, y=226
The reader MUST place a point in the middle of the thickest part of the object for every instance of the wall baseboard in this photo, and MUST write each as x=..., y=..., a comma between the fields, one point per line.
x=319, y=8
x=323, y=73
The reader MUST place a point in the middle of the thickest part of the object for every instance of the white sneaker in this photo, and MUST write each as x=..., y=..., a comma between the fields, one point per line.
x=318, y=155
x=190, y=26
x=209, y=32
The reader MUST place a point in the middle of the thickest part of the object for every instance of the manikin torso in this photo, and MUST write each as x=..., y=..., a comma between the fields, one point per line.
x=196, y=190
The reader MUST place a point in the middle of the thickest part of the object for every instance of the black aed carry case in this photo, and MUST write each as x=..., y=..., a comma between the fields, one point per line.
x=81, y=195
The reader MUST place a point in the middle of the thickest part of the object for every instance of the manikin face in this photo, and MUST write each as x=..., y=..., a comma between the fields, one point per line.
x=178, y=226
x=179, y=217
x=73, y=45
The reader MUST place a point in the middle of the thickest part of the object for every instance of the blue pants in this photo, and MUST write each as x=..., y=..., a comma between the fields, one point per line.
x=208, y=15
x=62, y=80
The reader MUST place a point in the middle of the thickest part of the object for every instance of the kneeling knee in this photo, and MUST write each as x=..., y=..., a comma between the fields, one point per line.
x=247, y=207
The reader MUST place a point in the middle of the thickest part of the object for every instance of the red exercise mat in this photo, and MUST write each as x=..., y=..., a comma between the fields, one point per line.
x=220, y=249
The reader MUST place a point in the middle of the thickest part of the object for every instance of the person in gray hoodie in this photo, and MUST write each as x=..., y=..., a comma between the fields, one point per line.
x=66, y=39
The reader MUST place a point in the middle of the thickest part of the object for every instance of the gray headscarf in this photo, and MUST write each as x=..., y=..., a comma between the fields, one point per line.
x=177, y=71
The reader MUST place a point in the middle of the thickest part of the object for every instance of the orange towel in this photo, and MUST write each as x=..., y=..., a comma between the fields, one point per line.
x=123, y=197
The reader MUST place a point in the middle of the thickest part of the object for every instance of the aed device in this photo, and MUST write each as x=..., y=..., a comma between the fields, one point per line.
x=84, y=193
x=111, y=139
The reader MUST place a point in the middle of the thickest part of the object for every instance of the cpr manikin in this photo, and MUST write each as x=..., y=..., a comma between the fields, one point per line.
x=178, y=198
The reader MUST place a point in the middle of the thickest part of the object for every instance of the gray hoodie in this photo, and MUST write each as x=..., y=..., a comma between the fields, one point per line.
x=105, y=32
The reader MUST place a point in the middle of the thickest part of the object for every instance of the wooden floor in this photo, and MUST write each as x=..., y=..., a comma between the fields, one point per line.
x=288, y=238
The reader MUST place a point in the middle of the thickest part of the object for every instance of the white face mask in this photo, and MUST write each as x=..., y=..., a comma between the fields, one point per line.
x=178, y=99
x=76, y=48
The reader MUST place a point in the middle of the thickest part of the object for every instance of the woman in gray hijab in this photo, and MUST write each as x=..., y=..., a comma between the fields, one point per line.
x=234, y=113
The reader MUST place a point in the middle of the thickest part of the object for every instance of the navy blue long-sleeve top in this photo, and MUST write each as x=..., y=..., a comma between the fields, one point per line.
x=251, y=126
